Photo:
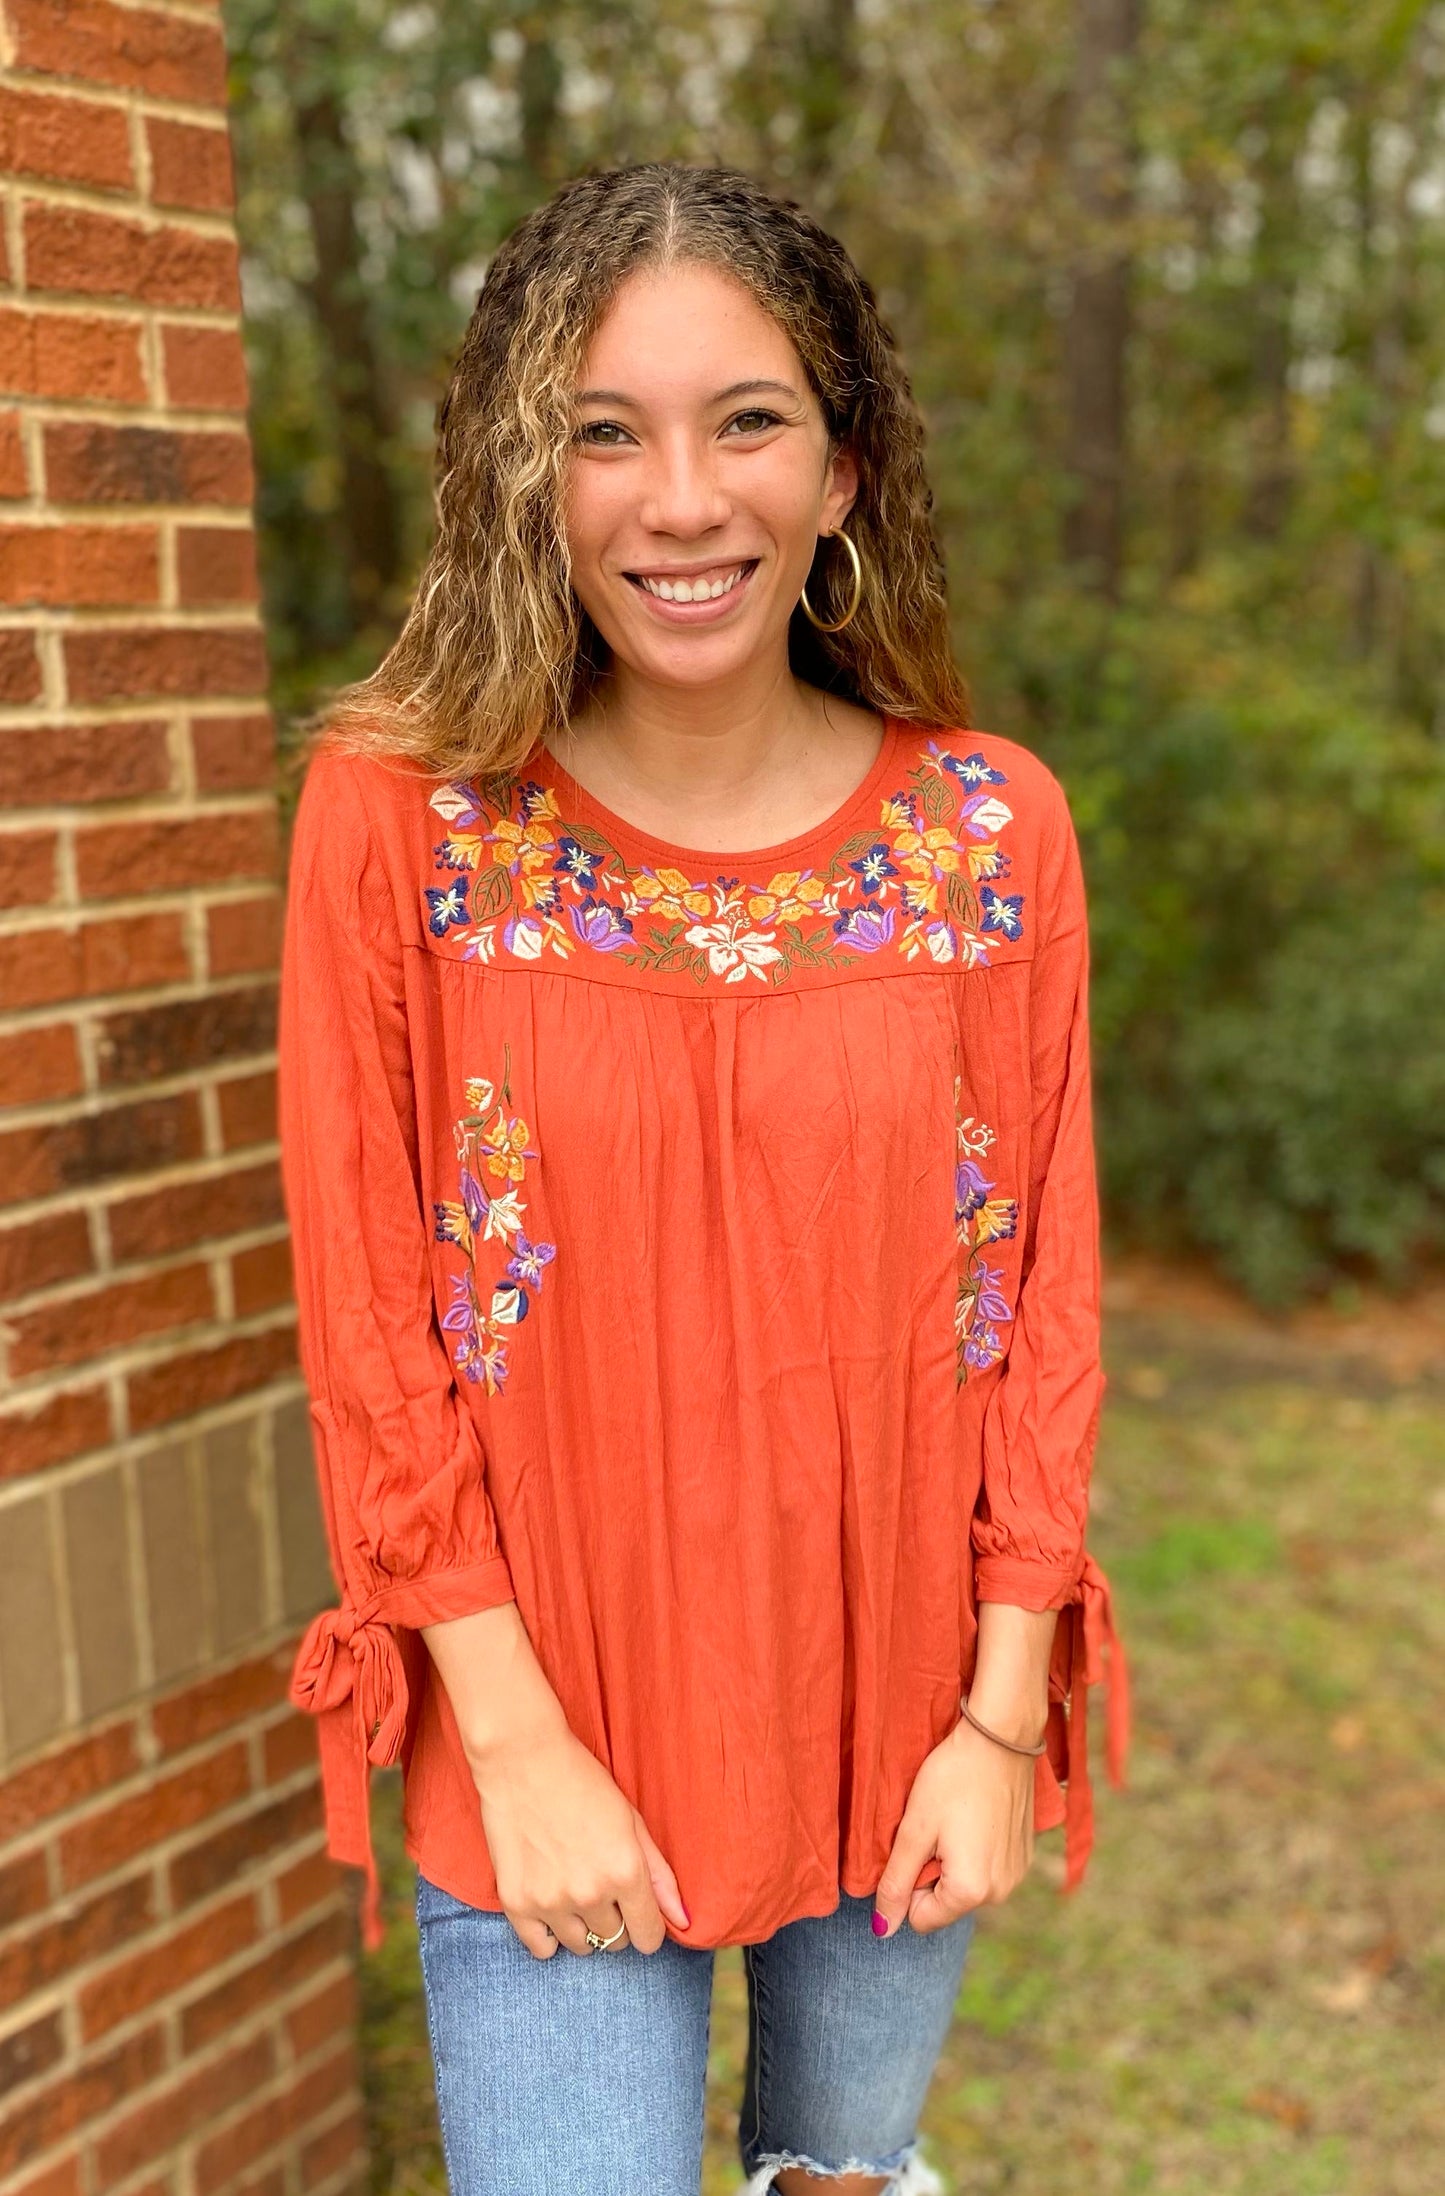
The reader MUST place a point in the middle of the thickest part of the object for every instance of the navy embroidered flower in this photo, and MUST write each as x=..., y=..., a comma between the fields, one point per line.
x=579, y=862
x=448, y=904
x=874, y=867
x=1003, y=912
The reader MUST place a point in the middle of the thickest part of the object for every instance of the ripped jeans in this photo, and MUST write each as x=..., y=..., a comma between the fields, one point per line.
x=583, y=2075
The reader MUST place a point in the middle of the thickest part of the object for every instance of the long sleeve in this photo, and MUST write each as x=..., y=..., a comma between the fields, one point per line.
x=1042, y=1421
x=411, y=1530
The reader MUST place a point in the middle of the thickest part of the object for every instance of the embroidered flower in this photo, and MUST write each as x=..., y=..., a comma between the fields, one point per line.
x=920, y=884
x=981, y=1304
x=1002, y=913
x=490, y=1140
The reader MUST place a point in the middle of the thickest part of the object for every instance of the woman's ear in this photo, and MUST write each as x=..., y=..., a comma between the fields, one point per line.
x=840, y=489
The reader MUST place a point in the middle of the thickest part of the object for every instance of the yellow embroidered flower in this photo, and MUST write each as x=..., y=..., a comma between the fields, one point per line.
x=505, y=1145
x=935, y=849
x=895, y=814
x=479, y=1093
x=528, y=843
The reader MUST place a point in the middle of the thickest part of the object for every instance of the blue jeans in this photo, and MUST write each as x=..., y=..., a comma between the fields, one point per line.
x=583, y=2075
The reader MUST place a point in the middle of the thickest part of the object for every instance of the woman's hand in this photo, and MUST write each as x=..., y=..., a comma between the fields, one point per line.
x=972, y=1804
x=569, y=1850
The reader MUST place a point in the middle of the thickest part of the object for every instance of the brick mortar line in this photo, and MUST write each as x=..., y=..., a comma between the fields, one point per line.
x=59, y=1294
x=86, y=1103
x=126, y=312
x=175, y=2075
x=137, y=1001
x=157, y=1855
x=120, y=204
x=128, y=618
x=90, y=912
x=144, y=412
x=310, y=1845
x=273, y=1639
x=74, y=818
x=44, y=517
x=274, y=1395
x=187, y=1339
x=77, y=716
x=65, y=1989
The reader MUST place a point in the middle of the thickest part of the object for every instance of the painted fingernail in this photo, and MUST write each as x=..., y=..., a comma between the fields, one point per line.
x=880, y=1926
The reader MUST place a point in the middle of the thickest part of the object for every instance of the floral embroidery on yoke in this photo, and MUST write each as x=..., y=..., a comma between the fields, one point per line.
x=492, y=1155
x=981, y=1219
x=924, y=882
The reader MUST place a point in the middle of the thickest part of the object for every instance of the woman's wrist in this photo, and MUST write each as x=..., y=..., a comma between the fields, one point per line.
x=1009, y=1689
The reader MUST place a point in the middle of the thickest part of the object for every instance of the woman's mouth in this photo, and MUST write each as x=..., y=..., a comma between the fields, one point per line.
x=692, y=597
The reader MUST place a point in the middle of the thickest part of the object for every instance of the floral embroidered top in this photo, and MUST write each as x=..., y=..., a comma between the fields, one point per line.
x=701, y=1249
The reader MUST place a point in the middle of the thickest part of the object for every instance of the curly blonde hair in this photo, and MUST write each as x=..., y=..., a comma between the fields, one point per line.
x=496, y=651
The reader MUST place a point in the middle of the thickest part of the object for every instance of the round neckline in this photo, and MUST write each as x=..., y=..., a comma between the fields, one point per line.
x=589, y=809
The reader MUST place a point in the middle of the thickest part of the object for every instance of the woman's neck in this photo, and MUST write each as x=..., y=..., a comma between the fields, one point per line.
x=750, y=763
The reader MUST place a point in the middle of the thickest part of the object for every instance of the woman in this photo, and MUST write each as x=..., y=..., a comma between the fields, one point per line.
x=685, y=1117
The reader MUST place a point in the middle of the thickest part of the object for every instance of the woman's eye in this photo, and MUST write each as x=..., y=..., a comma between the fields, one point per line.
x=753, y=421
x=602, y=434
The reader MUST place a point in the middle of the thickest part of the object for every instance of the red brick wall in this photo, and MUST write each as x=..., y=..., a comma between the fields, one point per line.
x=176, y=1953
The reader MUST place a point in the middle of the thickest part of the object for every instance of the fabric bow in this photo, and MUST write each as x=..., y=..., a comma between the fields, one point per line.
x=349, y=1674
x=1087, y=1651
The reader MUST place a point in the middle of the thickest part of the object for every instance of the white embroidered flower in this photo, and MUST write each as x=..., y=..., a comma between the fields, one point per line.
x=451, y=802
x=989, y=818
x=732, y=952
x=940, y=941
x=504, y=1215
x=527, y=939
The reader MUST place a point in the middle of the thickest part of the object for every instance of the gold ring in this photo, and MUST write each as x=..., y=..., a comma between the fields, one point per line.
x=600, y=1944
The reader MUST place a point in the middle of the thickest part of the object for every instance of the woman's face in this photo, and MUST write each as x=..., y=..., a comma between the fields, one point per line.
x=700, y=479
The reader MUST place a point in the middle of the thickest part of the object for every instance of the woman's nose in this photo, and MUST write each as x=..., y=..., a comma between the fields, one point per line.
x=683, y=495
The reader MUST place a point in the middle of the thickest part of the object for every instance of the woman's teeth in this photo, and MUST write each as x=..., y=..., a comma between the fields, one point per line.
x=698, y=590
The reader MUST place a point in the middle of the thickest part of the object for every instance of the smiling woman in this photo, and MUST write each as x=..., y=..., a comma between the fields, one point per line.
x=686, y=1132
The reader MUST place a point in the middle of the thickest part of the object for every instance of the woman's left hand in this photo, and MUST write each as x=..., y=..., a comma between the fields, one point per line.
x=972, y=1804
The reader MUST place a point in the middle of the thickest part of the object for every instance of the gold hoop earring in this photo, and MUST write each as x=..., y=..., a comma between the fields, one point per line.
x=857, y=595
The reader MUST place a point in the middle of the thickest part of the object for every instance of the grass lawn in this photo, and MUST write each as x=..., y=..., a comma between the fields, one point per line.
x=1247, y=1996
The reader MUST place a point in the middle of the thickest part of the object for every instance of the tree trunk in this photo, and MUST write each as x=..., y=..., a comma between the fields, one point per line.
x=1098, y=321
x=331, y=186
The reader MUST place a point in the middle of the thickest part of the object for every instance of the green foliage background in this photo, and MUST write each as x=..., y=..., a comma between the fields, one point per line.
x=1245, y=697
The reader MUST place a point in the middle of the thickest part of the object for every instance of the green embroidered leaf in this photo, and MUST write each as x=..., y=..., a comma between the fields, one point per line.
x=934, y=796
x=962, y=904
x=491, y=892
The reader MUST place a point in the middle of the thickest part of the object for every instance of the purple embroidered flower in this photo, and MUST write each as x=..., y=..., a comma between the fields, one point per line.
x=991, y=1300
x=970, y=1190
x=448, y=907
x=867, y=928
x=579, y=863
x=874, y=867
x=1002, y=911
x=983, y=1347
x=599, y=924
x=530, y=1258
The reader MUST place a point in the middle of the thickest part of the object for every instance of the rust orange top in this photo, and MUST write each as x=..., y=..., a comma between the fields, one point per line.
x=701, y=1249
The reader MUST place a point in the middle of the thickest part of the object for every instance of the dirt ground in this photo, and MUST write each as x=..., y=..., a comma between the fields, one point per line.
x=1247, y=1995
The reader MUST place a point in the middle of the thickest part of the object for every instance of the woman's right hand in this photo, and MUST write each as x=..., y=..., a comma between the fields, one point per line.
x=569, y=1850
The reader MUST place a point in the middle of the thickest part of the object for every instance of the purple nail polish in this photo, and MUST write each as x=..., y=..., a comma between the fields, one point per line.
x=880, y=1926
